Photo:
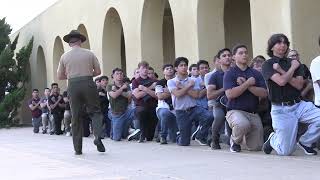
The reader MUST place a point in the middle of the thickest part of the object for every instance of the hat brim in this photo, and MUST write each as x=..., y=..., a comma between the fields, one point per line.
x=67, y=37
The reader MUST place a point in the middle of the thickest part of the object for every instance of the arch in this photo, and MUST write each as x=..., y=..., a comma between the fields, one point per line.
x=83, y=30
x=58, y=50
x=157, y=33
x=113, y=44
x=41, y=70
x=237, y=23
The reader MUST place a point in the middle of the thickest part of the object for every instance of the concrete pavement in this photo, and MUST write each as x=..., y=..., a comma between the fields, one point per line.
x=28, y=156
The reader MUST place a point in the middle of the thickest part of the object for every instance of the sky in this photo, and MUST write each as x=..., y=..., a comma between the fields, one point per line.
x=20, y=12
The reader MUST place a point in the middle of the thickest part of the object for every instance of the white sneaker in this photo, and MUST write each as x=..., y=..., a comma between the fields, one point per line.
x=68, y=134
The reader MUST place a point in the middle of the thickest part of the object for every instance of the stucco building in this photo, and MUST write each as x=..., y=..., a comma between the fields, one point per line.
x=123, y=32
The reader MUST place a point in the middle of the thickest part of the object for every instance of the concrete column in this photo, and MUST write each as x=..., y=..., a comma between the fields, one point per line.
x=267, y=18
x=305, y=29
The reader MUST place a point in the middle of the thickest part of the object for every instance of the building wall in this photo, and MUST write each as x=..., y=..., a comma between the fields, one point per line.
x=123, y=32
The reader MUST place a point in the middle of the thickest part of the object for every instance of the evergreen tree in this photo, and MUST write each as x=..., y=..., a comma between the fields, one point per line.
x=13, y=75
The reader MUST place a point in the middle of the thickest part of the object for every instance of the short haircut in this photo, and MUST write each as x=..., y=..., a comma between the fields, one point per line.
x=35, y=90
x=150, y=68
x=126, y=80
x=257, y=59
x=222, y=51
x=97, y=79
x=192, y=66
x=104, y=77
x=116, y=70
x=274, y=39
x=143, y=64
x=236, y=47
x=65, y=94
x=202, y=62
x=166, y=65
x=54, y=84
x=47, y=88
x=179, y=60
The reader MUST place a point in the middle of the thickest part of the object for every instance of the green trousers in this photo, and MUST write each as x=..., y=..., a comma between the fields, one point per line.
x=84, y=98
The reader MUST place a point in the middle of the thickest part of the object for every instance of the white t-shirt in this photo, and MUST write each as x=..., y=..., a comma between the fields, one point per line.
x=315, y=74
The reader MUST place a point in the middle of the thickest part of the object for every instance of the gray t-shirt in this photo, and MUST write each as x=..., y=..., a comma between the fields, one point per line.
x=44, y=100
x=186, y=101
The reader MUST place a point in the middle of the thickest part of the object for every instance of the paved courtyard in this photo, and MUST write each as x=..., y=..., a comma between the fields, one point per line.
x=28, y=156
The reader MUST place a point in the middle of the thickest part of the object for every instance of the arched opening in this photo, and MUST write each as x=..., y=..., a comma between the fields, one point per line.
x=157, y=33
x=168, y=45
x=237, y=23
x=210, y=29
x=57, y=52
x=41, y=70
x=113, y=44
x=83, y=31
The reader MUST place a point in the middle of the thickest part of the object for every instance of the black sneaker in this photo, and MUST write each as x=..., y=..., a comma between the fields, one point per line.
x=141, y=138
x=78, y=153
x=234, y=147
x=134, y=135
x=194, y=134
x=99, y=144
x=307, y=150
x=201, y=141
x=163, y=140
x=215, y=144
x=44, y=131
x=266, y=148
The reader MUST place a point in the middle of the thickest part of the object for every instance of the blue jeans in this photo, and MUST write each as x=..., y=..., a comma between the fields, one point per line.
x=185, y=119
x=167, y=122
x=36, y=123
x=121, y=124
x=285, y=121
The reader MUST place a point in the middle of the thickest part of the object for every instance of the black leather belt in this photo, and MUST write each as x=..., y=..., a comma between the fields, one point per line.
x=287, y=103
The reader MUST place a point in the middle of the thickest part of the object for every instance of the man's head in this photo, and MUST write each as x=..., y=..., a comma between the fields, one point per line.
x=35, y=93
x=117, y=74
x=278, y=45
x=143, y=68
x=257, y=62
x=136, y=73
x=225, y=57
x=97, y=81
x=168, y=70
x=104, y=81
x=181, y=65
x=74, y=38
x=203, y=67
x=151, y=73
x=46, y=92
x=54, y=87
x=240, y=54
x=193, y=70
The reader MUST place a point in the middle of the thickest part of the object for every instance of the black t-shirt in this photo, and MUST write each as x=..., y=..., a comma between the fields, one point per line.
x=278, y=93
x=104, y=101
x=52, y=100
x=163, y=83
x=146, y=101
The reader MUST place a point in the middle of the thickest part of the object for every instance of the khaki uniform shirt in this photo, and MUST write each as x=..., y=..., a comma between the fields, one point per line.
x=78, y=62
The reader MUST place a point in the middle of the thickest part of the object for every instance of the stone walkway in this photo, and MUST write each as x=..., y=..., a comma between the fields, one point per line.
x=28, y=156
